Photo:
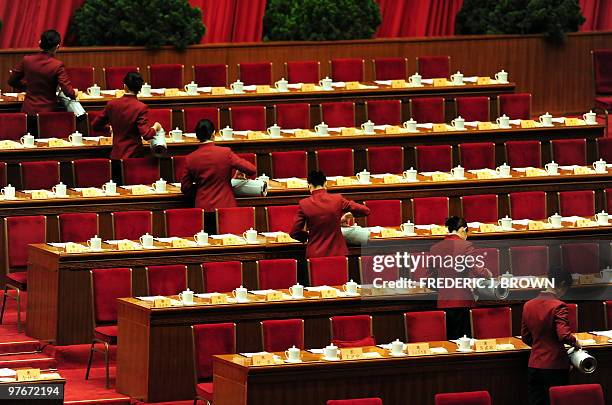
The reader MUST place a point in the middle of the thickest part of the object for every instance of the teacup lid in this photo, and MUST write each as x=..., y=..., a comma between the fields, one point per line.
x=187, y=290
x=459, y=118
x=238, y=81
x=8, y=185
x=416, y=74
x=411, y=120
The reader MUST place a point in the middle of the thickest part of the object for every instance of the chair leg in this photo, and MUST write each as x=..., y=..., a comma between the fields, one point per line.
x=3, y=304
x=18, y=299
x=106, y=356
x=91, y=352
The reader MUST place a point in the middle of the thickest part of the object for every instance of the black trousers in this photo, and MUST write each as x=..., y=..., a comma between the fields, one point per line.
x=457, y=323
x=540, y=380
x=210, y=223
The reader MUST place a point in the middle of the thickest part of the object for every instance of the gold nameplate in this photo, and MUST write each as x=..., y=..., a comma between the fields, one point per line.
x=487, y=228
x=161, y=303
x=485, y=126
x=393, y=130
x=570, y=122
x=418, y=349
x=586, y=279
x=583, y=170
x=353, y=86
x=485, y=345
x=308, y=87
x=6, y=144
x=535, y=172
x=91, y=192
x=218, y=91
x=233, y=240
x=274, y=296
x=180, y=243
x=389, y=233
x=483, y=80
x=585, y=223
x=440, y=82
x=119, y=93
x=345, y=181
x=75, y=248
x=263, y=359
x=528, y=124
x=398, y=84
x=439, y=230
x=284, y=237
x=302, y=133
x=439, y=128
x=27, y=374
x=39, y=195
x=140, y=190
x=296, y=183
x=535, y=225
x=218, y=299
x=347, y=131
x=106, y=140
x=58, y=143
x=484, y=175
x=441, y=177
x=351, y=353
x=262, y=88
x=391, y=179
x=173, y=92
x=329, y=293
x=126, y=245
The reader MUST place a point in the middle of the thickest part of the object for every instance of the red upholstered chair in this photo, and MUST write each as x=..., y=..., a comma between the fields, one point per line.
x=131, y=224
x=329, y=271
x=431, y=158
x=56, y=124
x=81, y=77
x=529, y=260
x=106, y=286
x=210, y=75
x=255, y=73
x=383, y=112
x=491, y=323
x=491, y=260
x=276, y=274
x=602, y=66
x=523, y=153
x=480, y=208
x=352, y=331
x=478, y=155
x=193, y=115
x=384, y=212
x=368, y=273
x=161, y=115
x=19, y=232
x=528, y=205
x=572, y=316
x=389, y=68
x=166, y=280
x=303, y=71
x=210, y=340
x=139, y=170
x=464, y=398
x=473, y=108
x=280, y=218
x=166, y=75
x=427, y=109
x=290, y=116
x=338, y=114
x=335, y=162
x=279, y=335
x=608, y=313
x=580, y=258
x=91, y=117
x=579, y=202
x=78, y=226
x=91, y=172
x=604, y=148
x=3, y=175
x=179, y=167
x=221, y=277
x=347, y=69
x=425, y=326
x=357, y=401
x=113, y=76
x=183, y=222
x=235, y=220
x=569, y=151
x=248, y=118
x=590, y=394
x=385, y=159
x=429, y=210
x=249, y=157
x=39, y=175
x=608, y=195
x=516, y=106
x=13, y=126
x=433, y=66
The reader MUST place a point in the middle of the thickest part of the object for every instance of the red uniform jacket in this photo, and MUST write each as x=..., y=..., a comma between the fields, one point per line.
x=40, y=75
x=454, y=246
x=318, y=220
x=546, y=329
x=209, y=175
x=129, y=119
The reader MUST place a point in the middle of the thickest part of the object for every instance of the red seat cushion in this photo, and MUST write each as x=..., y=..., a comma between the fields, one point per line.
x=205, y=390
x=367, y=341
x=19, y=279
x=107, y=334
x=604, y=102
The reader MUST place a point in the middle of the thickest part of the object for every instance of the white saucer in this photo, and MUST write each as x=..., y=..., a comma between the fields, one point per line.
x=242, y=301
x=351, y=294
x=459, y=178
x=110, y=194
x=330, y=358
x=369, y=133
x=252, y=243
x=557, y=227
x=411, y=234
x=204, y=244
x=297, y=298
x=398, y=355
x=293, y=361
x=96, y=250
x=465, y=350
x=416, y=131
x=556, y=174
x=548, y=126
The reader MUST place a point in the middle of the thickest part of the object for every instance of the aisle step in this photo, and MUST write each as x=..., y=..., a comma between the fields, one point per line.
x=33, y=360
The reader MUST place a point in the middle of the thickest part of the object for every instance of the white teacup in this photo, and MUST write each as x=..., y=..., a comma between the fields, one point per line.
x=330, y=352
x=59, y=190
x=503, y=122
x=602, y=218
x=590, y=118
x=95, y=243
x=457, y=78
x=555, y=220
x=27, y=140
x=177, y=135
x=274, y=131
x=281, y=85
x=546, y=120
x=8, y=192
x=186, y=297
x=250, y=236
x=321, y=129
x=201, y=238
x=240, y=294
x=410, y=125
x=501, y=77
x=397, y=348
x=237, y=87
x=505, y=223
x=600, y=166
x=350, y=287
x=264, y=178
x=293, y=354
x=407, y=228
x=227, y=133
x=368, y=127
x=94, y=90
x=192, y=88
x=410, y=174
x=458, y=123
x=464, y=343
x=458, y=172
x=297, y=291
x=326, y=83
x=503, y=170
x=145, y=90
x=415, y=79
x=552, y=168
x=146, y=240
x=109, y=188
x=363, y=177
x=159, y=186
x=76, y=138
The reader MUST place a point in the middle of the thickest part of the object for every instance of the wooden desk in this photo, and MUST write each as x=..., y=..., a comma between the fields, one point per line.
x=394, y=379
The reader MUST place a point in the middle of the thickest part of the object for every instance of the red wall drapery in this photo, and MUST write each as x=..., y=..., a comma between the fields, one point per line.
x=416, y=18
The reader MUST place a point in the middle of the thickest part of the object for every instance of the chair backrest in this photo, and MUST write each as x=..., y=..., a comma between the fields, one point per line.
x=473, y=108
x=107, y=285
x=569, y=151
x=140, y=170
x=528, y=205
x=590, y=394
x=179, y=167
x=161, y=115
x=352, y=330
x=604, y=148
x=210, y=340
x=56, y=124
x=578, y=202
x=113, y=76
x=168, y=75
x=427, y=109
x=280, y=218
x=335, y=162
x=39, y=175
x=91, y=118
x=81, y=77
x=249, y=157
x=210, y=75
x=292, y=116
x=608, y=314
x=480, y=208
x=389, y=68
x=572, y=316
x=491, y=323
x=303, y=71
x=608, y=198
x=3, y=175
x=276, y=273
x=425, y=326
x=491, y=259
x=13, y=126
x=193, y=115
x=235, y=220
x=385, y=159
x=384, y=112
x=370, y=273
x=602, y=68
x=166, y=280
x=429, y=210
x=248, y=118
x=357, y=401
x=384, y=212
x=131, y=224
x=338, y=114
x=255, y=73
x=516, y=106
x=433, y=66
x=529, y=260
x=523, y=153
x=91, y=172
x=477, y=155
x=221, y=277
x=464, y=398
x=580, y=258
x=431, y=158
x=183, y=222
x=347, y=70
x=293, y=163
x=327, y=270
x=19, y=232
x=78, y=226
x=279, y=335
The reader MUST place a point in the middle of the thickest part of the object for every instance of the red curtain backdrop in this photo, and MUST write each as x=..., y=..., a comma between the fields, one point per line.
x=242, y=20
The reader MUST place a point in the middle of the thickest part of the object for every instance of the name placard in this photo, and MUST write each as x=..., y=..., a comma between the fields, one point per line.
x=586, y=279
x=391, y=179
x=296, y=183
x=39, y=195
x=528, y=124
x=172, y=92
x=263, y=359
x=418, y=349
x=535, y=225
x=308, y=87
x=262, y=88
x=485, y=345
x=535, y=172
x=439, y=82
x=351, y=353
x=74, y=248
x=161, y=303
x=483, y=80
x=140, y=190
x=180, y=243
x=218, y=299
x=439, y=230
x=488, y=228
x=232, y=240
x=91, y=192
x=485, y=126
x=393, y=130
x=389, y=233
x=274, y=296
x=398, y=84
x=255, y=135
x=58, y=143
x=570, y=122
x=284, y=237
x=484, y=175
x=585, y=223
x=6, y=144
x=353, y=86
x=583, y=170
x=27, y=374
x=126, y=245
x=106, y=140
x=329, y=293
x=347, y=131
x=439, y=128
x=218, y=91
x=345, y=181
x=441, y=177
x=119, y=93
x=301, y=133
